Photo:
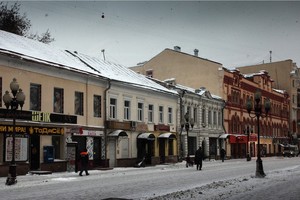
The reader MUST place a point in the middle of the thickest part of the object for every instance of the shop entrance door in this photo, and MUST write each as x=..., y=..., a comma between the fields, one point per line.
x=34, y=152
x=97, y=151
x=162, y=150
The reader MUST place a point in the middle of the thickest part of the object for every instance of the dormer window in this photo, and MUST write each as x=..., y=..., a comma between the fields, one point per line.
x=149, y=73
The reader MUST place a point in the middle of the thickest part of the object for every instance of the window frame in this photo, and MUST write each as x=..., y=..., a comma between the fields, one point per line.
x=58, y=107
x=78, y=102
x=127, y=110
x=161, y=114
x=97, y=107
x=112, y=108
x=170, y=115
x=151, y=113
x=140, y=110
x=35, y=96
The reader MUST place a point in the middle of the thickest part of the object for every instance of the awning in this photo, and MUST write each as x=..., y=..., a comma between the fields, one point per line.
x=224, y=136
x=117, y=133
x=167, y=136
x=146, y=136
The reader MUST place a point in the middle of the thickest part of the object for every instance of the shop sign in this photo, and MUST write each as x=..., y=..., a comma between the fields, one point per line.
x=237, y=139
x=32, y=130
x=46, y=131
x=37, y=116
x=89, y=133
x=162, y=127
x=253, y=137
x=118, y=125
x=142, y=127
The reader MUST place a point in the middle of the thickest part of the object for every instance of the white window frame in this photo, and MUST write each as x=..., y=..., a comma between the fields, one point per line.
x=151, y=113
x=127, y=114
x=161, y=114
x=170, y=115
x=140, y=110
x=113, y=108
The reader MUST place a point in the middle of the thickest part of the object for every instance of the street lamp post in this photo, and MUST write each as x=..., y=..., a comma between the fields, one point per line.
x=257, y=114
x=13, y=102
x=188, y=122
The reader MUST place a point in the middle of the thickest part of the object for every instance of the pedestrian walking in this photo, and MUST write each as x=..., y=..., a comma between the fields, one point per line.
x=199, y=158
x=223, y=154
x=84, y=160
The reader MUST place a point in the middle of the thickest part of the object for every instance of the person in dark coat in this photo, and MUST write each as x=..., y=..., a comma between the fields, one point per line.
x=223, y=154
x=84, y=160
x=199, y=158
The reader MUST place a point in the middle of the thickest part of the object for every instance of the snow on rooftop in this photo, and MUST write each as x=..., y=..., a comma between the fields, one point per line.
x=39, y=52
x=48, y=54
x=118, y=72
x=279, y=91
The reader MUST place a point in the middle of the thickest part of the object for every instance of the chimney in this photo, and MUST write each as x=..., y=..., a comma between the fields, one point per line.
x=177, y=48
x=196, y=51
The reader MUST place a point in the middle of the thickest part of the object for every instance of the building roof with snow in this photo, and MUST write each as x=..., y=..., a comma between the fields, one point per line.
x=31, y=50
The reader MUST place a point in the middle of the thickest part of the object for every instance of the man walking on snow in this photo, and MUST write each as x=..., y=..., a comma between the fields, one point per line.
x=199, y=158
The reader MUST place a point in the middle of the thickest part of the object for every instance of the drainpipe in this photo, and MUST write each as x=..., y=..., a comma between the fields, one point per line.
x=181, y=94
x=225, y=146
x=105, y=118
x=86, y=104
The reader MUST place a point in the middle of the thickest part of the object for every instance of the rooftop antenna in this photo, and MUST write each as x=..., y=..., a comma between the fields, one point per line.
x=103, y=50
x=270, y=56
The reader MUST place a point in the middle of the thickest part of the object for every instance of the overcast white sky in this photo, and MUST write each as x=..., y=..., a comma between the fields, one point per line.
x=232, y=33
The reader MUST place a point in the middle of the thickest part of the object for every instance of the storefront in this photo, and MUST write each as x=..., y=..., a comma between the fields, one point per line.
x=238, y=145
x=91, y=139
x=119, y=135
x=39, y=140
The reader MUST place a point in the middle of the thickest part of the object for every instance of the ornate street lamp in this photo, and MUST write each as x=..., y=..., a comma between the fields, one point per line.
x=189, y=122
x=257, y=114
x=13, y=102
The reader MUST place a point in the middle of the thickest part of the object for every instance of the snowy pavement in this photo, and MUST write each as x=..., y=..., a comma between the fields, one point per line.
x=234, y=179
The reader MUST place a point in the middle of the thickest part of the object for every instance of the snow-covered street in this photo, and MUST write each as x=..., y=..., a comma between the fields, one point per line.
x=233, y=179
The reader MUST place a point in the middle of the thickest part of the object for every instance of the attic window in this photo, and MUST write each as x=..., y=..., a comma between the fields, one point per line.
x=149, y=73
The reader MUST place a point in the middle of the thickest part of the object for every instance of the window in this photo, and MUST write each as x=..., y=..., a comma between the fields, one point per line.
x=209, y=117
x=56, y=144
x=127, y=110
x=97, y=106
x=140, y=111
x=78, y=103
x=170, y=115
x=219, y=119
x=113, y=108
x=203, y=116
x=58, y=100
x=235, y=96
x=150, y=113
x=188, y=110
x=195, y=115
x=215, y=118
x=35, y=97
x=149, y=73
x=161, y=114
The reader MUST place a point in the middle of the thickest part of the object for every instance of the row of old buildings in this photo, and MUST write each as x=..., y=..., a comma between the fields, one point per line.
x=158, y=112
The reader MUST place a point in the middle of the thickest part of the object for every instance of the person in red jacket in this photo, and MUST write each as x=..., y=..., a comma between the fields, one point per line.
x=84, y=160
